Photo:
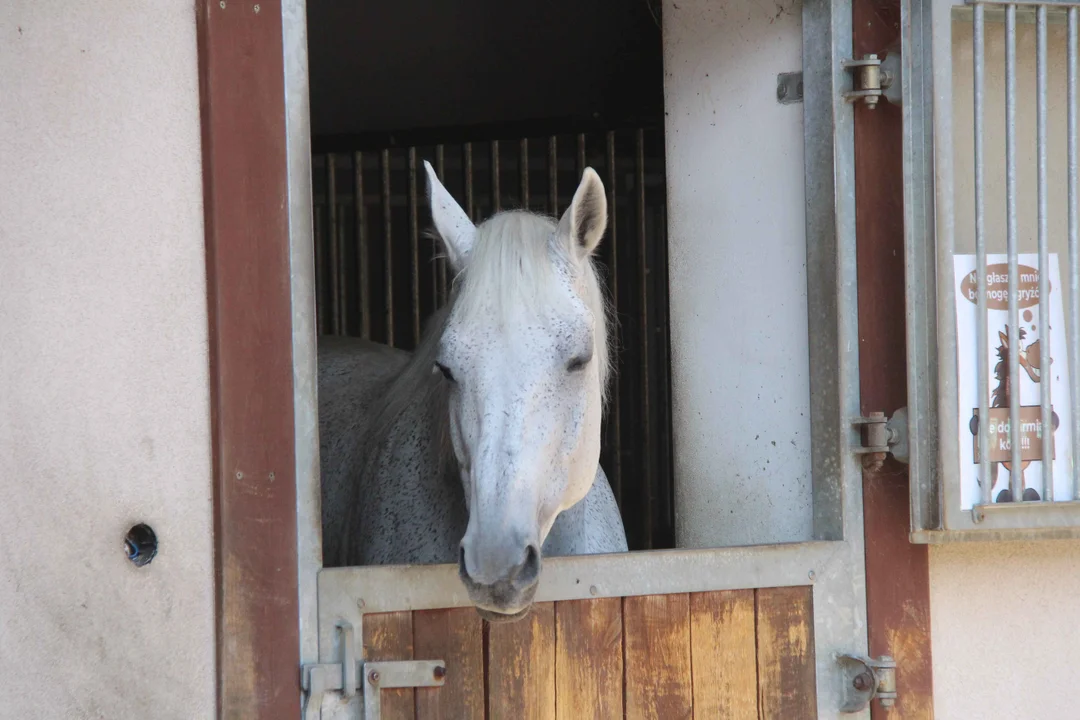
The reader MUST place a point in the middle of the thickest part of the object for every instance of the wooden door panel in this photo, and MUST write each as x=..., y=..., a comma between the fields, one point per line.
x=738, y=654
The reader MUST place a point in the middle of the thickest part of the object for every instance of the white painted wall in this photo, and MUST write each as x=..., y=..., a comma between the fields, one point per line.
x=104, y=401
x=738, y=273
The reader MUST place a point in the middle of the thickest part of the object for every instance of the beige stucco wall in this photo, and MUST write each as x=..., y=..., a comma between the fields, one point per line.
x=104, y=401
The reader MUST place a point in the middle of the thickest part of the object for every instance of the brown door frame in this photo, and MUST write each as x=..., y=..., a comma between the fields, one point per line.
x=242, y=92
x=245, y=176
x=897, y=570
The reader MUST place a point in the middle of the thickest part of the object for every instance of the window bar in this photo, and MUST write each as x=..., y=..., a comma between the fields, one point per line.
x=440, y=261
x=523, y=162
x=980, y=256
x=643, y=284
x=1044, y=258
x=388, y=268
x=613, y=275
x=1015, y=472
x=362, y=256
x=414, y=247
x=1074, y=253
x=337, y=272
x=496, y=204
x=553, y=176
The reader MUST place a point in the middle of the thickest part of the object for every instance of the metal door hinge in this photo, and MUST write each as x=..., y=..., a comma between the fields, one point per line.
x=869, y=680
x=882, y=436
x=874, y=78
x=345, y=677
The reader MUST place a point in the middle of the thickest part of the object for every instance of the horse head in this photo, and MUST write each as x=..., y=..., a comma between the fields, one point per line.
x=524, y=352
x=1030, y=360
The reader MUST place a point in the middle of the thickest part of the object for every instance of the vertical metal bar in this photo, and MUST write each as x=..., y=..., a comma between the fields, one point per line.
x=613, y=275
x=320, y=270
x=980, y=255
x=496, y=200
x=523, y=162
x=388, y=269
x=333, y=239
x=414, y=248
x=362, y=254
x=1015, y=469
x=553, y=176
x=470, y=203
x=643, y=287
x=1073, y=331
x=1044, y=257
x=440, y=262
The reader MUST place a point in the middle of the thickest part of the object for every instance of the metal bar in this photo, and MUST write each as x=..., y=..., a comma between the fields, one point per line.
x=389, y=588
x=1044, y=257
x=553, y=176
x=318, y=225
x=388, y=270
x=643, y=288
x=496, y=200
x=523, y=162
x=1015, y=472
x=980, y=255
x=414, y=248
x=613, y=275
x=337, y=283
x=470, y=200
x=363, y=256
x=1074, y=252
x=440, y=262
x=1022, y=3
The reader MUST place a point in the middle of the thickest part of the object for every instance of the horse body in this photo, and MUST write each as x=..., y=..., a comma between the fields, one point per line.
x=482, y=446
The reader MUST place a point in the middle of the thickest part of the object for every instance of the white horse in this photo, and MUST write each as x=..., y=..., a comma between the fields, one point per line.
x=483, y=446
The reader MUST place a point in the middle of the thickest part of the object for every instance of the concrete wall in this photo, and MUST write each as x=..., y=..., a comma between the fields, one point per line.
x=104, y=401
x=736, y=228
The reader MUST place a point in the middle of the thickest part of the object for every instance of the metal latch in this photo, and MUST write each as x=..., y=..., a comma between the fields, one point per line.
x=321, y=678
x=870, y=680
x=882, y=436
x=874, y=78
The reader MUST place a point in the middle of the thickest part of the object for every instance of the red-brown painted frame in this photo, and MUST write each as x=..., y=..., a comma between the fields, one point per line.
x=242, y=97
x=897, y=571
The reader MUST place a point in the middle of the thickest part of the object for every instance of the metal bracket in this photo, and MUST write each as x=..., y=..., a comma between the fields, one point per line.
x=872, y=680
x=789, y=88
x=883, y=436
x=873, y=79
x=318, y=679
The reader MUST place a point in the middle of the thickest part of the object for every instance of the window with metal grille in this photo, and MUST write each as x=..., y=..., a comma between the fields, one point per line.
x=993, y=268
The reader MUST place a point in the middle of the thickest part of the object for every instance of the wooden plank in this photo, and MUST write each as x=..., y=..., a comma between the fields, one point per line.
x=457, y=637
x=389, y=636
x=589, y=659
x=657, y=647
x=723, y=649
x=521, y=666
x=785, y=653
x=897, y=571
x=242, y=95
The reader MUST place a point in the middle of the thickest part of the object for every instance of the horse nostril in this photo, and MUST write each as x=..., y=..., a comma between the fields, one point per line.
x=462, y=570
x=529, y=571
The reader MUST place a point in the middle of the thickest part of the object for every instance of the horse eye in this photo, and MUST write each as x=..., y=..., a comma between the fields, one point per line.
x=578, y=363
x=445, y=371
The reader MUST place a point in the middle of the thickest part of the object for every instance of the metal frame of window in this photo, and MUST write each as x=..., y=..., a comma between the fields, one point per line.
x=936, y=513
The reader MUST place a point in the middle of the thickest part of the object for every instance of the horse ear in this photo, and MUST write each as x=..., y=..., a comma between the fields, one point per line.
x=585, y=221
x=451, y=222
x=1004, y=338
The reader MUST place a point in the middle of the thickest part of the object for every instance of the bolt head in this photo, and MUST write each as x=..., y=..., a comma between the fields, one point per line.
x=863, y=681
x=439, y=673
x=373, y=676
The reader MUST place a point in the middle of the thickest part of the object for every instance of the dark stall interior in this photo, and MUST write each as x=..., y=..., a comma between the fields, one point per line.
x=509, y=101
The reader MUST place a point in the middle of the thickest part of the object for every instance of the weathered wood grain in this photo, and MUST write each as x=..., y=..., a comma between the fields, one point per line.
x=521, y=666
x=724, y=654
x=455, y=636
x=389, y=636
x=657, y=657
x=589, y=659
x=785, y=653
